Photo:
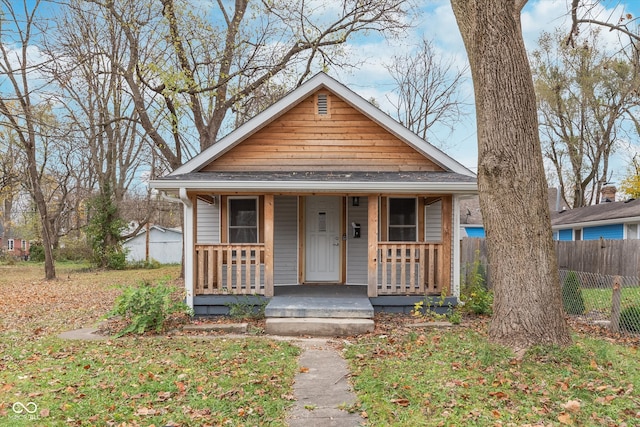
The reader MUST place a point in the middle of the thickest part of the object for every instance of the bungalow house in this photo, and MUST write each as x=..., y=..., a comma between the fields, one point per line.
x=161, y=244
x=607, y=220
x=320, y=191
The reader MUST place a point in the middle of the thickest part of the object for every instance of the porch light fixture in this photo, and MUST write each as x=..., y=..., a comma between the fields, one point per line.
x=355, y=201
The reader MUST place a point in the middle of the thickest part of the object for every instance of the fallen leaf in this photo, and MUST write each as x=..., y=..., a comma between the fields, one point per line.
x=401, y=402
x=44, y=413
x=164, y=395
x=605, y=400
x=304, y=369
x=565, y=419
x=572, y=406
x=145, y=411
x=499, y=395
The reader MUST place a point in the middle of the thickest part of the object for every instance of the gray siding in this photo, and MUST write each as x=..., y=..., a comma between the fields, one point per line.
x=208, y=222
x=433, y=222
x=357, y=249
x=285, y=240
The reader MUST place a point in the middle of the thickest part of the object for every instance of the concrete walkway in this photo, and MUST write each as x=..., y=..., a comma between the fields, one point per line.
x=322, y=389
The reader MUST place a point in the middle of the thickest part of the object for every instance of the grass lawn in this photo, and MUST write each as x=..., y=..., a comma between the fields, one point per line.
x=179, y=380
x=456, y=378
x=403, y=376
x=600, y=299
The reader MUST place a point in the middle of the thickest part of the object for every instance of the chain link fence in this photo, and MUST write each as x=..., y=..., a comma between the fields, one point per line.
x=609, y=301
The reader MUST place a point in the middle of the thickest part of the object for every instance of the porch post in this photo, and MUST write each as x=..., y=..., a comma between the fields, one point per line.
x=372, y=241
x=456, y=248
x=187, y=242
x=268, y=245
x=447, y=241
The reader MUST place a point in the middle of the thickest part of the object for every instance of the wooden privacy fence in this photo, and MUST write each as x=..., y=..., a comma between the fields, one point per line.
x=608, y=257
x=410, y=268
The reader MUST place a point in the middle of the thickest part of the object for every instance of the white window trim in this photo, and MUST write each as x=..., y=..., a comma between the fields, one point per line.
x=573, y=235
x=10, y=244
x=257, y=218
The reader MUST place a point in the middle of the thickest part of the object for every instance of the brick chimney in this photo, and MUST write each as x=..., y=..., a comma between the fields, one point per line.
x=608, y=194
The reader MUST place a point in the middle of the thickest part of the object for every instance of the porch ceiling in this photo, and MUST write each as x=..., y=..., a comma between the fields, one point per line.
x=359, y=182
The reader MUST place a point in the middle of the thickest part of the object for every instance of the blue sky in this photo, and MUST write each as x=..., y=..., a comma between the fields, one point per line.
x=438, y=23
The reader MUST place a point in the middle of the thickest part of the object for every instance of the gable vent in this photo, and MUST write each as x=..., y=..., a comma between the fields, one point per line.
x=323, y=104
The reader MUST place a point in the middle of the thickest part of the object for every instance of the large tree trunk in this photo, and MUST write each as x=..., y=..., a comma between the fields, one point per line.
x=511, y=181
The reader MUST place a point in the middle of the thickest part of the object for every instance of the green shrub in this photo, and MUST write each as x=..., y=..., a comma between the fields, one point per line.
x=36, y=252
x=479, y=301
x=147, y=307
x=477, y=298
x=116, y=258
x=74, y=251
x=572, y=294
x=152, y=264
x=630, y=319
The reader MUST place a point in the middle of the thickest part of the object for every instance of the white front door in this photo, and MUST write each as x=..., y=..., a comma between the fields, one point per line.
x=323, y=241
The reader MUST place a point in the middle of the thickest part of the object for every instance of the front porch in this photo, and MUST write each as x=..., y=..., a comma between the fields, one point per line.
x=398, y=269
x=339, y=243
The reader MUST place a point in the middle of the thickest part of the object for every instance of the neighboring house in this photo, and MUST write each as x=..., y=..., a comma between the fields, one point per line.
x=471, y=222
x=16, y=247
x=607, y=220
x=320, y=188
x=161, y=244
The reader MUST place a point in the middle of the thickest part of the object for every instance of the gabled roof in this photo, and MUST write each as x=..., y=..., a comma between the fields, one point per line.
x=320, y=80
x=601, y=214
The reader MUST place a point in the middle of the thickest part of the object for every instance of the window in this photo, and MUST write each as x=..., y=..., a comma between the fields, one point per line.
x=10, y=244
x=243, y=220
x=577, y=234
x=402, y=220
x=632, y=231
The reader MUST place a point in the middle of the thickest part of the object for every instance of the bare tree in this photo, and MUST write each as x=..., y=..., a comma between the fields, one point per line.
x=94, y=96
x=427, y=89
x=19, y=70
x=207, y=60
x=585, y=98
x=587, y=12
x=511, y=182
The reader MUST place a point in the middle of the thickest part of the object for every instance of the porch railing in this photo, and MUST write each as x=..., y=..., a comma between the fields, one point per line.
x=410, y=268
x=229, y=268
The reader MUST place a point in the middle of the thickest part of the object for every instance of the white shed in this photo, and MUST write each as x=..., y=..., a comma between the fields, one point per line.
x=165, y=245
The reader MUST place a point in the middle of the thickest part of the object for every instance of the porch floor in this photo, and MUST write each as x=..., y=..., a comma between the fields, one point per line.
x=320, y=301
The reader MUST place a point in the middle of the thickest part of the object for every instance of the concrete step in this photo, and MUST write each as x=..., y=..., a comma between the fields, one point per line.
x=350, y=307
x=318, y=326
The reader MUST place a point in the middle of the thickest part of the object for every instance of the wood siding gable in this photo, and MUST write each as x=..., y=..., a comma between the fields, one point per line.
x=327, y=136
